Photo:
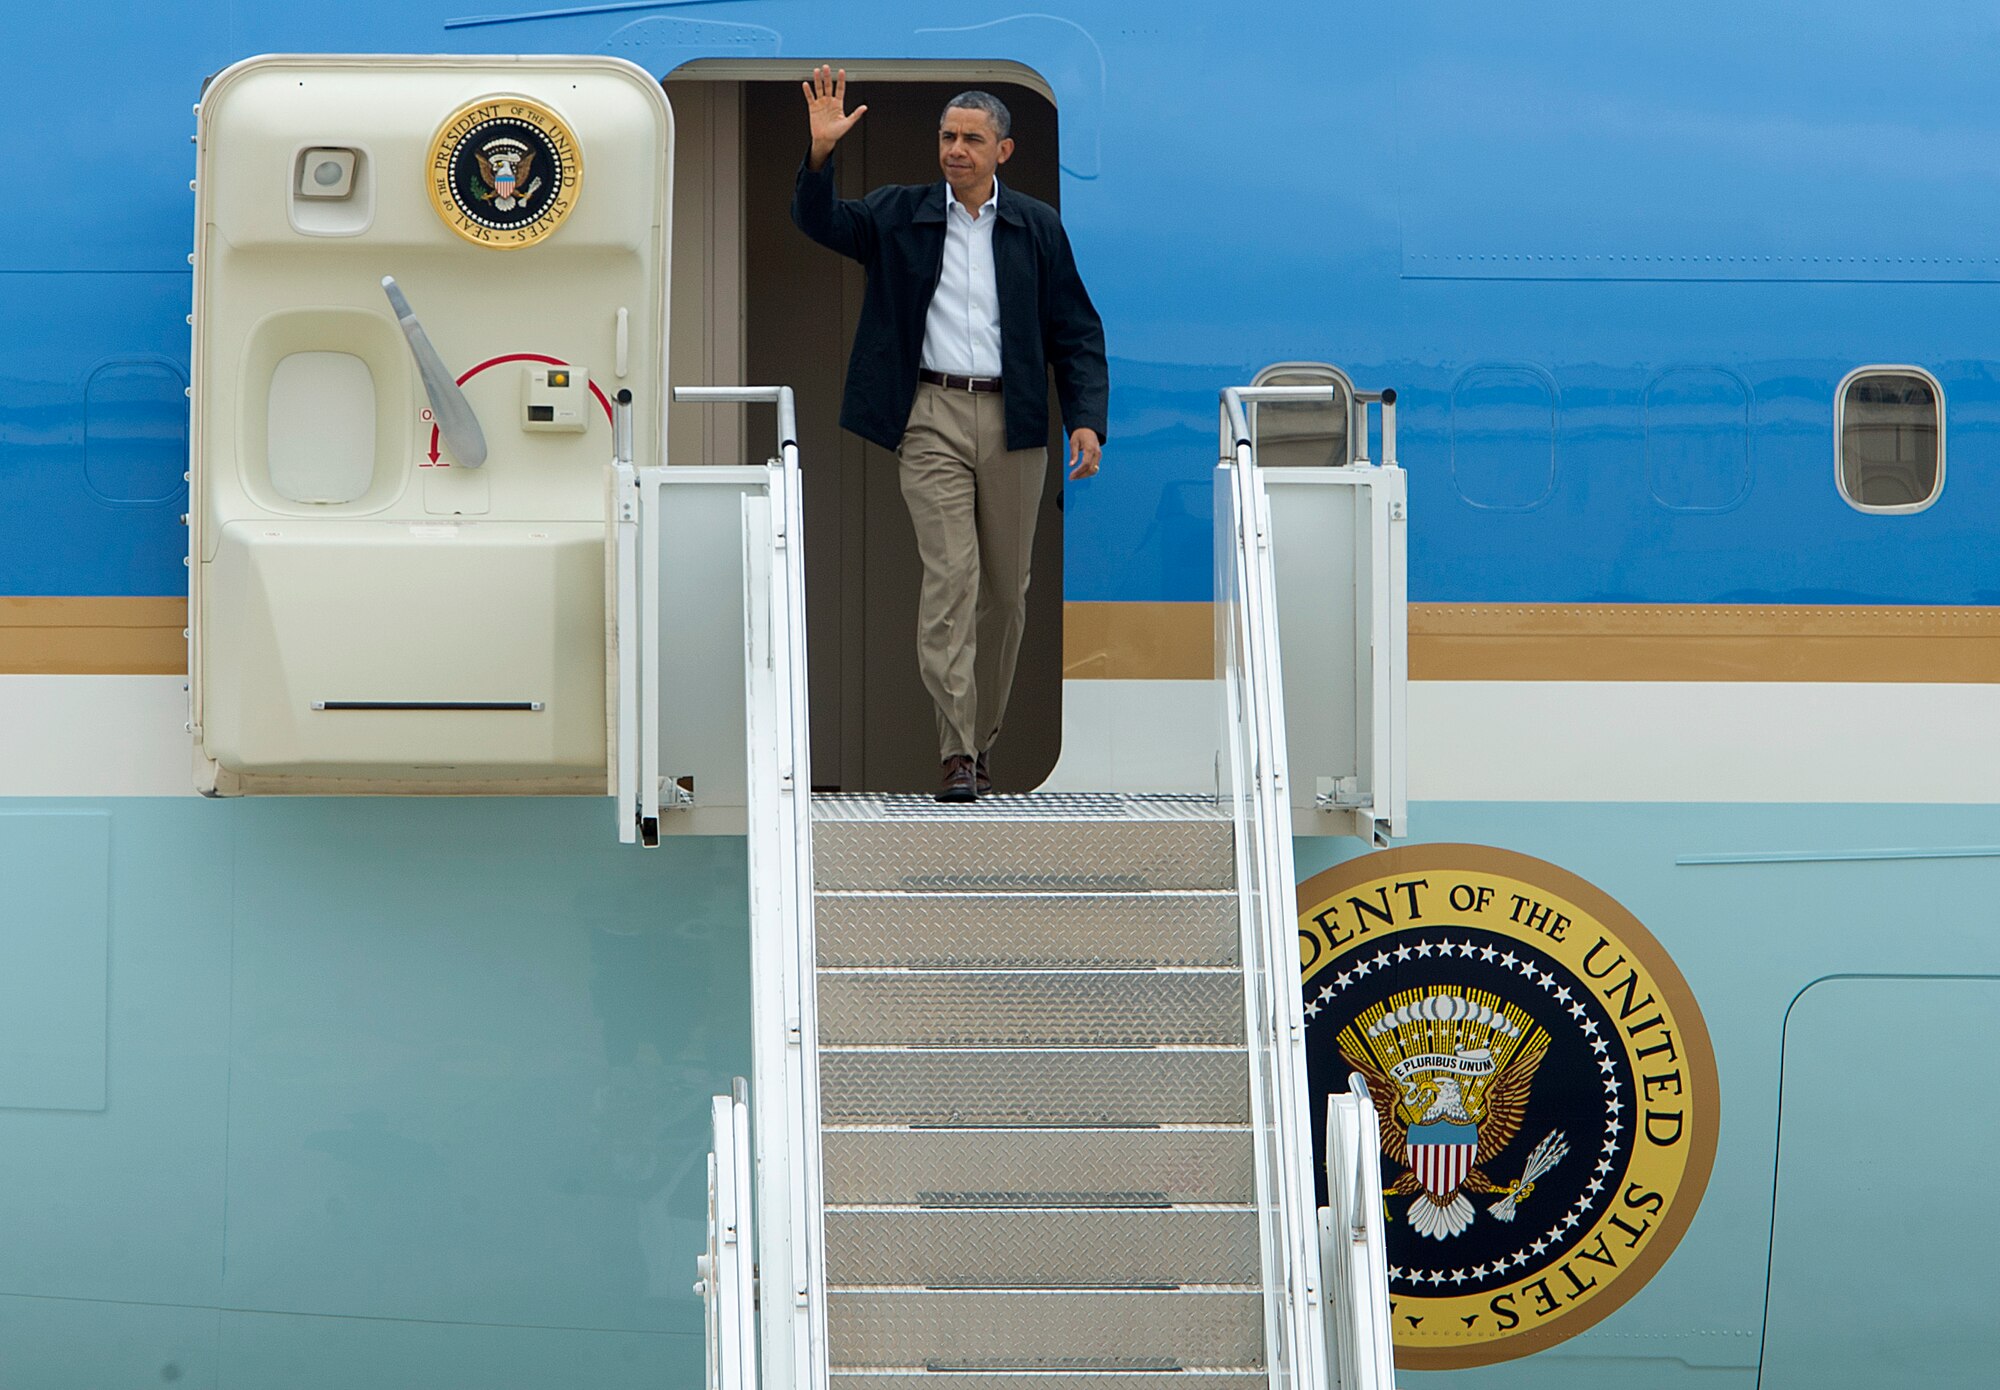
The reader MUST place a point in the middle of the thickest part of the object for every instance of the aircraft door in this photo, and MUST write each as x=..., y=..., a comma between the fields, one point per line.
x=424, y=288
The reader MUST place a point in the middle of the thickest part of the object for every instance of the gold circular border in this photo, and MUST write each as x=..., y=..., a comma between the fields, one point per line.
x=1330, y=883
x=447, y=208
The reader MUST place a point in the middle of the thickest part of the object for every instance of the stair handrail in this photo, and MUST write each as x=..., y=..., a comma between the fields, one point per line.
x=1254, y=734
x=1251, y=672
x=726, y=1282
x=1352, y=1243
x=784, y=1096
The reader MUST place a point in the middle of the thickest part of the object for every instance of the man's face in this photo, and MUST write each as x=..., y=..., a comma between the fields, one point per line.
x=969, y=149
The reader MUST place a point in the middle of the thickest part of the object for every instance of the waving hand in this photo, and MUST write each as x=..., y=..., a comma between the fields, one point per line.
x=826, y=109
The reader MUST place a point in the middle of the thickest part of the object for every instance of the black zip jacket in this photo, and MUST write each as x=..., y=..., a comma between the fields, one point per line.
x=1046, y=318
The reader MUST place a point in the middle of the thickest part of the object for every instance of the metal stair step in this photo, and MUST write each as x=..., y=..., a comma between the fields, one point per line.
x=1037, y=1167
x=1026, y=930
x=1034, y=1097
x=1014, y=806
x=1051, y=1380
x=1034, y=1087
x=965, y=1249
x=1021, y=856
x=1045, y=1330
x=1053, y=1008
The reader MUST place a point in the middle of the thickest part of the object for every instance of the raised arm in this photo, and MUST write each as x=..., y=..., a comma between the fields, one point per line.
x=826, y=111
x=839, y=225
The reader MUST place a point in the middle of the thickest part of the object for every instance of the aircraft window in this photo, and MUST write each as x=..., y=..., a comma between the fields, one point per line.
x=1306, y=434
x=1697, y=423
x=135, y=432
x=1503, y=436
x=1889, y=439
x=322, y=427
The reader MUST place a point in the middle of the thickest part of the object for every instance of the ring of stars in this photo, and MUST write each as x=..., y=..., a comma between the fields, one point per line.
x=1563, y=997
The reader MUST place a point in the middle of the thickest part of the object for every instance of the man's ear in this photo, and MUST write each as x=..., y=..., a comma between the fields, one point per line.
x=1006, y=150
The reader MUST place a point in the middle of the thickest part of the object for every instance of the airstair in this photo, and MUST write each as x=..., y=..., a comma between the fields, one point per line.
x=1029, y=1105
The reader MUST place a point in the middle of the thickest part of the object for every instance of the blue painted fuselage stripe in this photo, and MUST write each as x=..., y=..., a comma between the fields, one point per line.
x=1634, y=472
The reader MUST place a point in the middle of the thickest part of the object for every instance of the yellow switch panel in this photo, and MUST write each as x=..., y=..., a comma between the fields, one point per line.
x=555, y=398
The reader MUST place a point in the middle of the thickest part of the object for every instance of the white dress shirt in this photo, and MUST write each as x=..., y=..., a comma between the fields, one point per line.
x=962, y=329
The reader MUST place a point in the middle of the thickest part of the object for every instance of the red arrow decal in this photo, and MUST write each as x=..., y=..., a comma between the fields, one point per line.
x=478, y=367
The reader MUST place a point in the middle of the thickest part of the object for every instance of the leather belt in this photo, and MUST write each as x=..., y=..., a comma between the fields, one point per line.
x=984, y=385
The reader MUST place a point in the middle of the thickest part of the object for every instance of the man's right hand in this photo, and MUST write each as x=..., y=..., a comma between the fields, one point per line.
x=826, y=108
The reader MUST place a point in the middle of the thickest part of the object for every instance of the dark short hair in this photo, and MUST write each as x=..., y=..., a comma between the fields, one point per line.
x=995, y=109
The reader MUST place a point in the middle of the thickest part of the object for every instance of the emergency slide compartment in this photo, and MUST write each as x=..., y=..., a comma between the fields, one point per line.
x=422, y=286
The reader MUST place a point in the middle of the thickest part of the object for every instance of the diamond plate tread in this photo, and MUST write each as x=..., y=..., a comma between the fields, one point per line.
x=1042, y=1249
x=1108, y=1008
x=1151, y=1087
x=904, y=806
x=1049, y=1380
x=1046, y=1329
x=993, y=856
x=1034, y=930
x=1036, y=1167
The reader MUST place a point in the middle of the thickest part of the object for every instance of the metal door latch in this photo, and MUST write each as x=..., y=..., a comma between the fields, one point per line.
x=1340, y=794
x=676, y=794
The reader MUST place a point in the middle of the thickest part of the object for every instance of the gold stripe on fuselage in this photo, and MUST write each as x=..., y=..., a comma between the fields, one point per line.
x=93, y=636
x=1138, y=641
x=1174, y=641
x=1590, y=642
x=1703, y=642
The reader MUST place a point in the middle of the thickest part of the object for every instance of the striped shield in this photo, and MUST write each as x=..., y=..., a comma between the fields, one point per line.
x=1441, y=1155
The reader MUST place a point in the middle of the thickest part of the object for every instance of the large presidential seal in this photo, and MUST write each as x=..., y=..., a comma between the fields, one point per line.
x=1544, y=1082
x=504, y=172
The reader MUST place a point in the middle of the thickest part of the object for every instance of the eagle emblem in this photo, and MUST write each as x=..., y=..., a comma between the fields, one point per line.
x=504, y=173
x=1449, y=1071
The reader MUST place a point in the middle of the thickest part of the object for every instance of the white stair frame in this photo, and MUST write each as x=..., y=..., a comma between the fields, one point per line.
x=784, y=1022
x=776, y=1336
x=1253, y=779
x=1252, y=785
x=727, y=1271
x=1352, y=1247
x=1337, y=549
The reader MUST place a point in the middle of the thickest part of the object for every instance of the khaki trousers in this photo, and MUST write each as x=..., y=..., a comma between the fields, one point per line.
x=973, y=503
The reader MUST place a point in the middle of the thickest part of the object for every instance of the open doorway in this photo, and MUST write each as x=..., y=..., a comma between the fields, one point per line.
x=755, y=301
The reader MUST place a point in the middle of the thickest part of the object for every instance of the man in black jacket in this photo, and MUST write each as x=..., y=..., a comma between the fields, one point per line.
x=973, y=297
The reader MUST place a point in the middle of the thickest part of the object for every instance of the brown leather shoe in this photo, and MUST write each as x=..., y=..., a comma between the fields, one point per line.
x=960, y=779
x=982, y=775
